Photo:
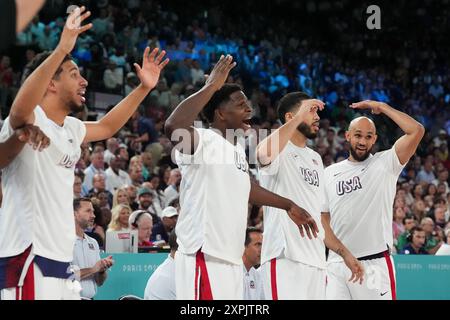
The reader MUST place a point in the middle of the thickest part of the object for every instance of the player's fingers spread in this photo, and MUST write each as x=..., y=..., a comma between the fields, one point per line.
x=152, y=55
x=164, y=63
x=85, y=28
x=160, y=56
x=85, y=15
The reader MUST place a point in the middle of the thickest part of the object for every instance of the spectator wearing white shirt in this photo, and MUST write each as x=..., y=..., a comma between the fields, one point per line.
x=161, y=284
x=173, y=190
x=253, y=288
x=97, y=166
x=111, y=146
x=116, y=178
x=113, y=77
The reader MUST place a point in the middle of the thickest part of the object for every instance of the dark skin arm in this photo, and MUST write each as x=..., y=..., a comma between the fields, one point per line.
x=188, y=110
x=14, y=145
x=262, y=197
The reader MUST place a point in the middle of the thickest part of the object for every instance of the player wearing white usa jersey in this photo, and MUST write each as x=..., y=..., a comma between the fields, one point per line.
x=36, y=227
x=215, y=190
x=360, y=194
x=294, y=267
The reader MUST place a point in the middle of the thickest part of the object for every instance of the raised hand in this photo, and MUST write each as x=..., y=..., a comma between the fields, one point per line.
x=33, y=136
x=303, y=220
x=375, y=107
x=310, y=105
x=220, y=72
x=151, y=67
x=72, y=29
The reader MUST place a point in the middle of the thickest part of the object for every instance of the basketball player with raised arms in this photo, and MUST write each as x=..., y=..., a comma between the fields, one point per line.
x=37, y=230
x=360, y=193
x=216, y=189
x=292, y=267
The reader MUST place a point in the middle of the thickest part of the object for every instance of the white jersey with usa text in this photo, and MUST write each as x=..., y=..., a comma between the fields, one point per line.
x=360, y=197
x=38, y=192
x=296, y=174
x=214, y=194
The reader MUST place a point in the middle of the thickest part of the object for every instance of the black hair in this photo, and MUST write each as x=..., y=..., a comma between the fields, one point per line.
x=409, y=217
x=248, y=232
x=77, y=203
x=38, y=60
x=289, y=102
x=219, y=97
x=173, y=240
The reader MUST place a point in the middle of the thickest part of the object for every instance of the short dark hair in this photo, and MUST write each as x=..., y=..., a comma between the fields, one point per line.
x=37, y=61
x=409, y=217
x=248, y=232
x=289, y=102
x=173, y=240
x=77, y=203
x=219, y=97
x=414, y=230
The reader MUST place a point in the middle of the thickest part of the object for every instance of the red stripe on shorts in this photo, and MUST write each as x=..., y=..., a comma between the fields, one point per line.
x=273, y=278
x=28, y=286
x=205, y=287
x=391, y=275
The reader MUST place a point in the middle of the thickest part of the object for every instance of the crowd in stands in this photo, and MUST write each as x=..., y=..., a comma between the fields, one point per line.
x=323, y=49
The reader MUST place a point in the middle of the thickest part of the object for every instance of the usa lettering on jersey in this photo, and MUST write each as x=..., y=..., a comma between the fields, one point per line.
x=310, y=176
x=348, y=186
x=68, y=162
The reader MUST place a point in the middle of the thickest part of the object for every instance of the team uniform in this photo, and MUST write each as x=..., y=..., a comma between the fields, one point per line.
x=253, y=286
x=161, y=284
x=359, y=198
x=86, y=254
x=214, y=194
x=293, y=267
x=37, y=228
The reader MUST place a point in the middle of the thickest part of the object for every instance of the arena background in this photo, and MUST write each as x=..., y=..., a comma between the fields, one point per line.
x=324, y=48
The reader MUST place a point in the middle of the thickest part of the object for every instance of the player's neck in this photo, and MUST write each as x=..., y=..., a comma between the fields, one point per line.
x=298, y=139
x=53, y=110
x=247, y=264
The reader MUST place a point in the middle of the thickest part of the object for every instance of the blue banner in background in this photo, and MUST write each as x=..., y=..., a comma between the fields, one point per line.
x=418, y=277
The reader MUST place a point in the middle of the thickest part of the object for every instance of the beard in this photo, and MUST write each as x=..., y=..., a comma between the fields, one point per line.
x=357, y=157
x=75, y=108
x=304, y=129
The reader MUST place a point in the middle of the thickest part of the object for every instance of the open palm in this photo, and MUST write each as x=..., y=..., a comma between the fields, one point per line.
x=151, y=67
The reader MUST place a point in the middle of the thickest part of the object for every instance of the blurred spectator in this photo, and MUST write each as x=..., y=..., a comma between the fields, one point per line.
x=111, y=146
x=173, y=189
x=426, y=174
x=77, y=183
x=142, y=221
x=120, y=196
x=431, y=243
x=163, y=228
x=444, y=250
x=398, y=226
x=97, y=166
x=116, y=178
x=416, y=242
x=113, y=77
x=99, y=186
x=401, y=241
x=119, y=219
x=132, y=197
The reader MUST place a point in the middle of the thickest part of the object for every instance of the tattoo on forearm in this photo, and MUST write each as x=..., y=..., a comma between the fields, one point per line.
x=340, y=252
